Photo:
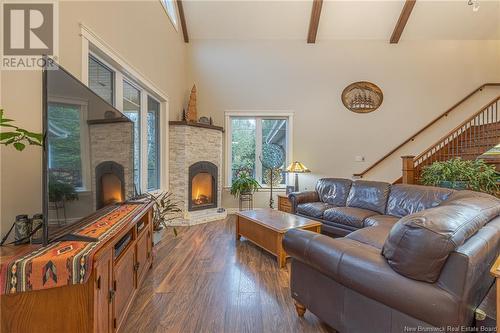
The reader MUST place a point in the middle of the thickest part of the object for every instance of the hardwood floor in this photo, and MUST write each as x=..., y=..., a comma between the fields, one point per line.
x=204, y=280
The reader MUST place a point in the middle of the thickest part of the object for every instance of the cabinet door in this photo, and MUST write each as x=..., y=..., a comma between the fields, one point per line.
x=102, y=285
x=123, y=285
x=143, y=254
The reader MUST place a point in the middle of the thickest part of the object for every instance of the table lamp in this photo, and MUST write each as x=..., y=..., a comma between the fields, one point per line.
x=297, y=167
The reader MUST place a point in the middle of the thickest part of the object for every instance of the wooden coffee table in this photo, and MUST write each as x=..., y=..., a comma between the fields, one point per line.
x=266, y=227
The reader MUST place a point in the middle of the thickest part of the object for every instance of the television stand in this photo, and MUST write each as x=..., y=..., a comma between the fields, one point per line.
x=76, y=238
x=118, y=264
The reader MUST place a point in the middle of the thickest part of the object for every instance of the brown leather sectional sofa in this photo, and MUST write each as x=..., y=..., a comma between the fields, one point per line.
x=413, y=257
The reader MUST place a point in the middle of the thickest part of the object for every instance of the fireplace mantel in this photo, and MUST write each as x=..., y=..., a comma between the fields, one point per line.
x=186, y=123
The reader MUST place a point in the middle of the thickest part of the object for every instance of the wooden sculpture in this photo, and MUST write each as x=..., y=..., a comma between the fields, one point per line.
x=192, y=114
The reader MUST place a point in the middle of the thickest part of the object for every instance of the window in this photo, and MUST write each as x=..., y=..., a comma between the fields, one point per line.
x=153, y=144
x=66, y=143
x=138, y=104
x=171, y=10
x=132, y=109
x=101, y=80
x=256, y=144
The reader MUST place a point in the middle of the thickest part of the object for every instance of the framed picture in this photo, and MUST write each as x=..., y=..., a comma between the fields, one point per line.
x=362, y=97
x=290, y=189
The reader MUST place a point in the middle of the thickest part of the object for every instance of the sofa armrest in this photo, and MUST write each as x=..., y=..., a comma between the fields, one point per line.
x=319, y=251
x=302, y=197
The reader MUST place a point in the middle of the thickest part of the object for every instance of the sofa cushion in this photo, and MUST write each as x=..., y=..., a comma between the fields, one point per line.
x=374, y=236
x=350, y=216
x=313, y=209
x=377, y=220
x=407, y=199
x=333, y=190
x=419, y=244
x=369, y=195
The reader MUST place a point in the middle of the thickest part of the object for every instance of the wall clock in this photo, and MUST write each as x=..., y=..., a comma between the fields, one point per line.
x=362, y=97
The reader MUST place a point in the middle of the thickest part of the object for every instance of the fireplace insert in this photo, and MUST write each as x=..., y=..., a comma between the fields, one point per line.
x=202, y=186
x=110, y=184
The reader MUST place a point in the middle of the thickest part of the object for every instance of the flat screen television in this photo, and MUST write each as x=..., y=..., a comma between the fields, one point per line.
x=88, y=154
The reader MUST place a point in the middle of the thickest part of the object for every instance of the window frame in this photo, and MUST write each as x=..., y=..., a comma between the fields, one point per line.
x=229, y=115
x=173, y=20
x=99, y=49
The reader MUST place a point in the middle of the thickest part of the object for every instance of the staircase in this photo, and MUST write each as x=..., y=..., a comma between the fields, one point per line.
x=470, y=140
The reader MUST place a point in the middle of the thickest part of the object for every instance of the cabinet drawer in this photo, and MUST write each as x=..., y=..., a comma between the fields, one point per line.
x=286, y=209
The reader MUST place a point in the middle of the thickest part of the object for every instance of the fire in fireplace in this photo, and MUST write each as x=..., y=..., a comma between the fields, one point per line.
x=110, y=184
x=202, y=189
x=202, y=186
x=111, y=189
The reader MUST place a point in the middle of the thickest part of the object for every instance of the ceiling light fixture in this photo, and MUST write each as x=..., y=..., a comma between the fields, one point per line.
x=474, y=4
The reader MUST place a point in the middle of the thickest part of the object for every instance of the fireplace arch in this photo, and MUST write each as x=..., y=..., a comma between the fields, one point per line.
x=202, y=185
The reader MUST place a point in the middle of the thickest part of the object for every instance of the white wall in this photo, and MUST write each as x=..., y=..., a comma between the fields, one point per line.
x=139, y=31
x=420, y=79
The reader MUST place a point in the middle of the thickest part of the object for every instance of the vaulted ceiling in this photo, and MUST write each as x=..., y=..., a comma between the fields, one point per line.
x=349, y=19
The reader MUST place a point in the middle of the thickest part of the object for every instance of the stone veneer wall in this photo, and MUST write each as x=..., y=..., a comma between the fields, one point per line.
x=112, y=142
x=188, y=145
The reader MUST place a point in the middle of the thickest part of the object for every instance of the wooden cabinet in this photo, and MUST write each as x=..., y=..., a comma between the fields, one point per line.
x=101, y=304
x=284, y=203
x=103, y=268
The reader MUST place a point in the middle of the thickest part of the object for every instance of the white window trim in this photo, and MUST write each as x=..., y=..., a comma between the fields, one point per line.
x=98, y=48
x=246, y=113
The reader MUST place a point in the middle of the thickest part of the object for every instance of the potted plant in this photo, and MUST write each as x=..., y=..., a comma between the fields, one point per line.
x=244, y=184
x=60, y=191
x=165, y=209
x=461, y=174
x=18, y=137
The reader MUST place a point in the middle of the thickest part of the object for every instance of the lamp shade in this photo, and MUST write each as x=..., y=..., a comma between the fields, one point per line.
x=297, y=167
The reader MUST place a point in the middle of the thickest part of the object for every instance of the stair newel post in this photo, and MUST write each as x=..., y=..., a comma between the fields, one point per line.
x=408, y=170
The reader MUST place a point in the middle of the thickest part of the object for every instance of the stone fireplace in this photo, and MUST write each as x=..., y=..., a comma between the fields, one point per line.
x=195, y=161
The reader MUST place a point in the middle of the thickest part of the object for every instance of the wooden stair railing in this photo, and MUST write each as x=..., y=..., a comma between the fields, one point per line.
x=412, y=138
x=469, y=140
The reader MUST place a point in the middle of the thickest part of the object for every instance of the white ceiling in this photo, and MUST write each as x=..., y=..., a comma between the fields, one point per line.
x=349, y=19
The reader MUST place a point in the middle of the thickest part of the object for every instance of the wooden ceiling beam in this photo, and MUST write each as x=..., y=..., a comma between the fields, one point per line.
x=183, y=21
x=314, y=21
x=403, y=19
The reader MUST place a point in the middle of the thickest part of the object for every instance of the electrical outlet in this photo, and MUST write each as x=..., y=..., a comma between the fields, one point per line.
x=359, y=158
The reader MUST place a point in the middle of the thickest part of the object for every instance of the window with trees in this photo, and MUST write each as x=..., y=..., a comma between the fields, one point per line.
x=258, y=146
x=153, y=127
x=66, y=142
